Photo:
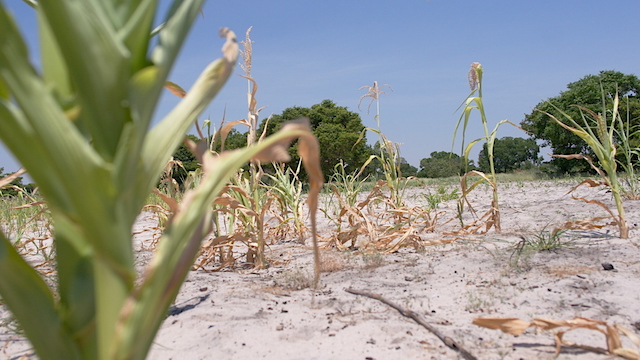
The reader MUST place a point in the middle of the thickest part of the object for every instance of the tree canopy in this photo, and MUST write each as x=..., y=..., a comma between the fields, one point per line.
x=407, y=169
x=337, y=130
x=442, y=164
x=587, y=92
x=510, y=154
x=8, y=191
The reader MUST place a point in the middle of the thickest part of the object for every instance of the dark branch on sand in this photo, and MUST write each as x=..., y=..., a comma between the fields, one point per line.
x=419, y=319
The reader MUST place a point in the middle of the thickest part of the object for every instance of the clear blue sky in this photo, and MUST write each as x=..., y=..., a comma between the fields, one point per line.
x=306, y=51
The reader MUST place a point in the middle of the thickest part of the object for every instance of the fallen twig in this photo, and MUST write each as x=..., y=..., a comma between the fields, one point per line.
x=418, y=319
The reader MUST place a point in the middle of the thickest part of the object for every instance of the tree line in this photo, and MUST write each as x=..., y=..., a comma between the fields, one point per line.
x=343, y=139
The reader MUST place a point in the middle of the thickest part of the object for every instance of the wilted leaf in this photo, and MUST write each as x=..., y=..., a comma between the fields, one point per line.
x=173, y=204
x=175, y=89
x=513, y=326
x=588, y=182
x=29, y=205
x=8, y=179
x=516, y=326
x=628, y=333
x=224, y=130
x=613, y=339
x=631, y=354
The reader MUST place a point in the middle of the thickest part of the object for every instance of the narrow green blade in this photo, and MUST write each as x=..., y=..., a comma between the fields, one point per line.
x=32, y=303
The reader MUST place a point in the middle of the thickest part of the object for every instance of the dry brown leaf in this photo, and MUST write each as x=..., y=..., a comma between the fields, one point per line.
x=224, y=130
x=588, y=182
x=9, y=178
x=516, y=326
x=513, y=326
x=631, y=354
x=309, y=151
x=175, y=89
x=613, y=339
x=628, y=333
x=26, y=206
x=580, y=156
x=173, y=203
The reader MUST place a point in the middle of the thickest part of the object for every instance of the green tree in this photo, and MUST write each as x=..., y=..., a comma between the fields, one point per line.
x=510, y=154
x=188, y=160
x=407, y=169
x=442, y=164
x=586, y=92
x=17, y=182
x=337, y=130
x=234, y=140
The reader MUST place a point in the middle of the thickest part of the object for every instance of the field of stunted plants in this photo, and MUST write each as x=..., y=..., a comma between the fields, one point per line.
x=109, y=257
x=557, y=260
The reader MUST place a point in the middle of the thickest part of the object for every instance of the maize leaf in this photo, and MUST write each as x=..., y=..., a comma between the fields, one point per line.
x=32, y=303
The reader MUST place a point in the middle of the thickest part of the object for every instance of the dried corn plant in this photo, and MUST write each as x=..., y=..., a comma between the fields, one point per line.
x=597, y=130
x=388, y=152
x=245, y=222
x=381, y=223
x=376, y=224
x=253, y=187
x=612, y=333
x=232, y=215
x=168, y=185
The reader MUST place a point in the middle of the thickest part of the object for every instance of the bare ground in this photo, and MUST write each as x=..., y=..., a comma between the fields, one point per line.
x=244, y=313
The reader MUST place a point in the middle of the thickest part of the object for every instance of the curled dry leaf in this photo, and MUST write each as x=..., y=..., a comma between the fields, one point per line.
x=309, y=151
x=224, y=130
x=587, y=159
x=175, y=89
x=584, y=224
x=8, y=179
x=515, y=326
x=589, y=183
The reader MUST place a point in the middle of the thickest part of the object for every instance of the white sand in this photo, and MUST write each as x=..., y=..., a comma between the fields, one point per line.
x=255, y=314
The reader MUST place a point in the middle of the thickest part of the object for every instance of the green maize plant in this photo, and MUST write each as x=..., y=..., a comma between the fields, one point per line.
x=598, y=131
x=626, y=133
x=81, y=126
x=286, y=188
x=349, y=185
x=474, y=102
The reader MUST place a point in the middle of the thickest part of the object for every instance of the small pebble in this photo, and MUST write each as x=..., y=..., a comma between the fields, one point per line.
x=607, y=266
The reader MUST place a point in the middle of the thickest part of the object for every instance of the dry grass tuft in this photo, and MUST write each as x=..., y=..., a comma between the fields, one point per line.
x=331, y=261
x=563, y=271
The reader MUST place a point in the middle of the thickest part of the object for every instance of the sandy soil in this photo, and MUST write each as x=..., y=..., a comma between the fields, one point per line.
x=260, y=314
